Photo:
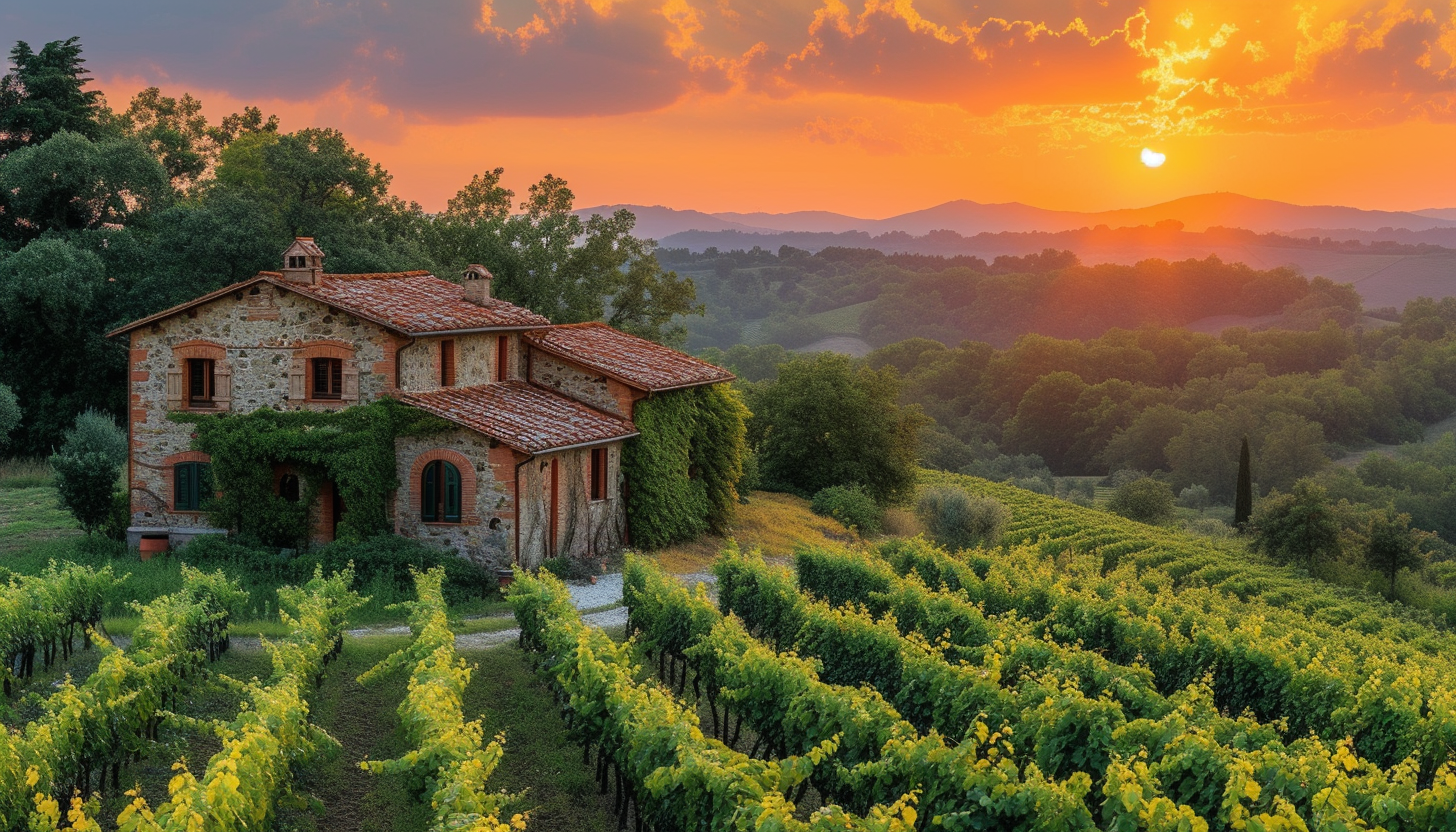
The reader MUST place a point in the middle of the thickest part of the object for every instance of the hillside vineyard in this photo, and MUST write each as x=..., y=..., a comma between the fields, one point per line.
x=1095, y=674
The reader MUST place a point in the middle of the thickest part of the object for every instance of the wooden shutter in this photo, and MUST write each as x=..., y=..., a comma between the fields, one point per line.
x=222, y=381
x=184, y=486
x=351, y=381
x=502, y=357
x=447, y=363
x=429, y=493
x=452, y=493
x=599, y=473
x=175, y=386
x=297, y=380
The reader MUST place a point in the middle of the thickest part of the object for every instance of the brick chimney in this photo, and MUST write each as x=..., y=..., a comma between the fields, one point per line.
x=303, y=262
x=477, y=284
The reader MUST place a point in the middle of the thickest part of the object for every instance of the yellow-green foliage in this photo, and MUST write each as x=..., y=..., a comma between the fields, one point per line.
x=676, y=777
x=245, y=780
x=450, y=760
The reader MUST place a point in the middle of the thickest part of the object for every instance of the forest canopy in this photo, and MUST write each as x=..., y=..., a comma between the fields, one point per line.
x=107, y=217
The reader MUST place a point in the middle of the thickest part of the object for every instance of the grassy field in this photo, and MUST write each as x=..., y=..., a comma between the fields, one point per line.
x=30, y=512
x=775, y=523
x=841, y=321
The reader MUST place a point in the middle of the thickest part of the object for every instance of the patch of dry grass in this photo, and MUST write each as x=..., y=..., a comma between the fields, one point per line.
x=775, y=523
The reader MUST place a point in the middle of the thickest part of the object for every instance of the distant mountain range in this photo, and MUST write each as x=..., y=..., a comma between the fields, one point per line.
x=968, y=218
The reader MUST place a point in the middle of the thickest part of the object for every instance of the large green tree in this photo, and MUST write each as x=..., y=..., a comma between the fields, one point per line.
x=42, y=95
x=1392, y=545
x=1299, y=526
x=550, y=260
x=827, y=420
x=71, y=183
x=54, y=308
x=180, y=136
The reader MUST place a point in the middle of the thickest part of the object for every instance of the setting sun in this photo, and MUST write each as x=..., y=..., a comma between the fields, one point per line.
x=1153, y=158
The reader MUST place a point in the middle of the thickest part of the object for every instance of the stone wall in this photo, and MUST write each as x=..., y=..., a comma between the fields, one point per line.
x=584, y=528
x=486, y=531
x=475, y=360
x=581, y=383
x=260, y=337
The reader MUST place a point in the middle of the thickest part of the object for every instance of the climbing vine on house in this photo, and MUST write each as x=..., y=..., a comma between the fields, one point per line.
x=352, y=448
x=683, y=470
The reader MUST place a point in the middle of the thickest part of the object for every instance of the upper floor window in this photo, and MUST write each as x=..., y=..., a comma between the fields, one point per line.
x=599, y=473
x=328, y=378
x=297, y=261
x=191, y=485
x=200, y=382
x=288, y=487
x=502, y=357
x=447, y=363
x=199, y=377
x=440, y=493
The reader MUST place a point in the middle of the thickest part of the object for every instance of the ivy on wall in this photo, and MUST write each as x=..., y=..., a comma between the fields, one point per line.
x=682, y=471
x=352, y=448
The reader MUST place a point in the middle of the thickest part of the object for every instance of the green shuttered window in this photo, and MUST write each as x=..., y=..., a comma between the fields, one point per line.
x=191, y=485
x=440, y=493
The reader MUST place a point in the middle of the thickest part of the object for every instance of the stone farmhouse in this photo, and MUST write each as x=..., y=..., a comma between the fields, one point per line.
x=532, y=467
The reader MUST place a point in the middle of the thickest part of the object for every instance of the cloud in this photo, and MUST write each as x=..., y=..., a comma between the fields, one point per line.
x=1073, y=71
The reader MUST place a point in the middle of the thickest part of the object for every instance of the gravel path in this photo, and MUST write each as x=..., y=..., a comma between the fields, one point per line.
x=606, y=592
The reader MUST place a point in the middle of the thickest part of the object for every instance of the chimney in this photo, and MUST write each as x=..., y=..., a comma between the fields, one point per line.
x=477, y=284
x=303, y=262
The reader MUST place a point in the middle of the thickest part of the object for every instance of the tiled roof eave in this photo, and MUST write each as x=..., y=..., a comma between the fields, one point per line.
x=624, y=429
x=630, y=382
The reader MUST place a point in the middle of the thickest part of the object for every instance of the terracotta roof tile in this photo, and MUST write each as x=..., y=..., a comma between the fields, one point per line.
x=522, y=415
x=633, y=361
x=415, y=303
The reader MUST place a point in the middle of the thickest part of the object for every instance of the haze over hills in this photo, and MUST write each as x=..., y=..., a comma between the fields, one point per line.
x=968, y=218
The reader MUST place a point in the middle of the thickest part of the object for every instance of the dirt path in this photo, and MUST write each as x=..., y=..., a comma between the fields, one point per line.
x=1433, y=432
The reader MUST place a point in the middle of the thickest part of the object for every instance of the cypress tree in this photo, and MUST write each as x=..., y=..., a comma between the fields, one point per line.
x=1244, y=492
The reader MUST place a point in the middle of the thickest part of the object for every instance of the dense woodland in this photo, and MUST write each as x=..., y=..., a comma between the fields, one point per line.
x=107, y=216
x=793, y=298
x=1178, y=403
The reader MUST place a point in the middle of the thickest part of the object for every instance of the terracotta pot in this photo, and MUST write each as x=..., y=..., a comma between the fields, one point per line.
x=505, y=577
x=153, y=545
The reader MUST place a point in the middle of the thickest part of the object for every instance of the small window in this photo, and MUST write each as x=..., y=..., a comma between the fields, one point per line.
x=440, y=493
x=599, y=473
x=328, y=378
x=297, y=261
x=191, y=485
x=199, y=382
x=288, y=487
x=502, y=357
x=447, y=363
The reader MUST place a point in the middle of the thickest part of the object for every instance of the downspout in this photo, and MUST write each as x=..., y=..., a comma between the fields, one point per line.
x=397, y=362
x=516, y=555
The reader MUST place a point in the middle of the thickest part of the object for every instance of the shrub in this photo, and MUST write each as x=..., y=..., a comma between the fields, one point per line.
x=1145, y=500
x=88, y=466
x=119, y=518
x=9, y=415
x=1195, y=497
x=851, y=505
x=957, y=519
x=569, y=568
x=384, y=561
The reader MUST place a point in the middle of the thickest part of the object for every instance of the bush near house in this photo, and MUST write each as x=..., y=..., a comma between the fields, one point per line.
x=88, y=466
x=851, y=505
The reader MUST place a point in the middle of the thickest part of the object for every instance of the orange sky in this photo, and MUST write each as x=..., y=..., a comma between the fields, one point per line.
x=871, y=109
